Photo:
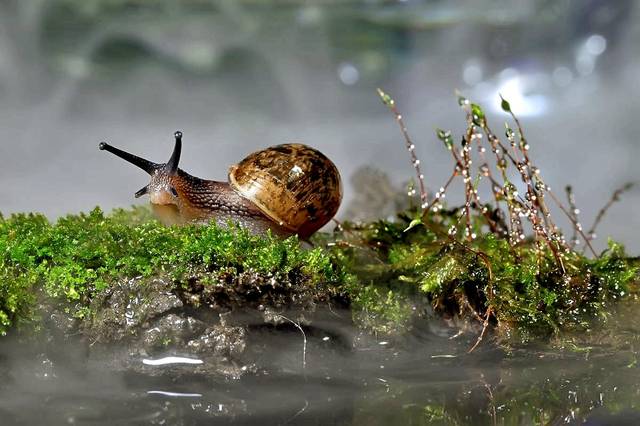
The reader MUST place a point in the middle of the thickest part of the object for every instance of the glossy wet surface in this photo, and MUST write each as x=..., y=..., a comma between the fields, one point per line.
x=429, y=378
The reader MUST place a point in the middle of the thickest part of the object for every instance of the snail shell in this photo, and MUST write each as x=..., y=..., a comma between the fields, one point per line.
x=297, y=186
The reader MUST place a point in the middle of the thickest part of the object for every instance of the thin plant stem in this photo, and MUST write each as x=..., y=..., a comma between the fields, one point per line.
x=615, y=197
x=411, y=147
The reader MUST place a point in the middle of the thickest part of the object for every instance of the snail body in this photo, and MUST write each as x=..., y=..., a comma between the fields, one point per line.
x=288, y=189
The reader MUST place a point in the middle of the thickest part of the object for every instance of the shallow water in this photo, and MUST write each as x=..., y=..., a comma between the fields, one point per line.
x=329, y=378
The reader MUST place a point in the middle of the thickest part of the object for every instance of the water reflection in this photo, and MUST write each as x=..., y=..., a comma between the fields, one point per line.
x=423, y=379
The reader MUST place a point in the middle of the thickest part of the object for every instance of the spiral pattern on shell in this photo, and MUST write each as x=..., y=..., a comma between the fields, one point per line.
x=295, y=185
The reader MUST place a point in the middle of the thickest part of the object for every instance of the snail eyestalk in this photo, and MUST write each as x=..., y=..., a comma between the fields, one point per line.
x=172, y=164
x=141, y=192
x=145, y=165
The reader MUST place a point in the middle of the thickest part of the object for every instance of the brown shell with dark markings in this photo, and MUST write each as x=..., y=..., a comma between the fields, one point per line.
x=295, y=185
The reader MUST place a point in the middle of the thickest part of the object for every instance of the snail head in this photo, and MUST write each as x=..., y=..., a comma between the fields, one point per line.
x=164, y=176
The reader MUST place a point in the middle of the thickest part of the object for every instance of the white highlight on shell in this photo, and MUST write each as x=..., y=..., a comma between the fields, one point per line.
x=295, y=171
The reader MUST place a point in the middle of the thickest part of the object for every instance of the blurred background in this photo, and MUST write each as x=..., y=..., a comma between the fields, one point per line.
x=237, y=76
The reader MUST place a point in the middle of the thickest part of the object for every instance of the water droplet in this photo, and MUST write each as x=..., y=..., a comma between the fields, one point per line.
x=509, y=133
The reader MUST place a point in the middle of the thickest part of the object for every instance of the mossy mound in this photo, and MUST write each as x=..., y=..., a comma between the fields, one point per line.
x=81, y=256
x=520, y=293
x=393, y=274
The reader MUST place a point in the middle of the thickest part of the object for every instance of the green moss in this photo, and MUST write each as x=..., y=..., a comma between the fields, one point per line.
x=524, y=290
x=80, y=255
x=387, y=270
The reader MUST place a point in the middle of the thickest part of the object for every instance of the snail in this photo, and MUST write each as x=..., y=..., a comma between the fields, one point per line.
x=288, y=189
